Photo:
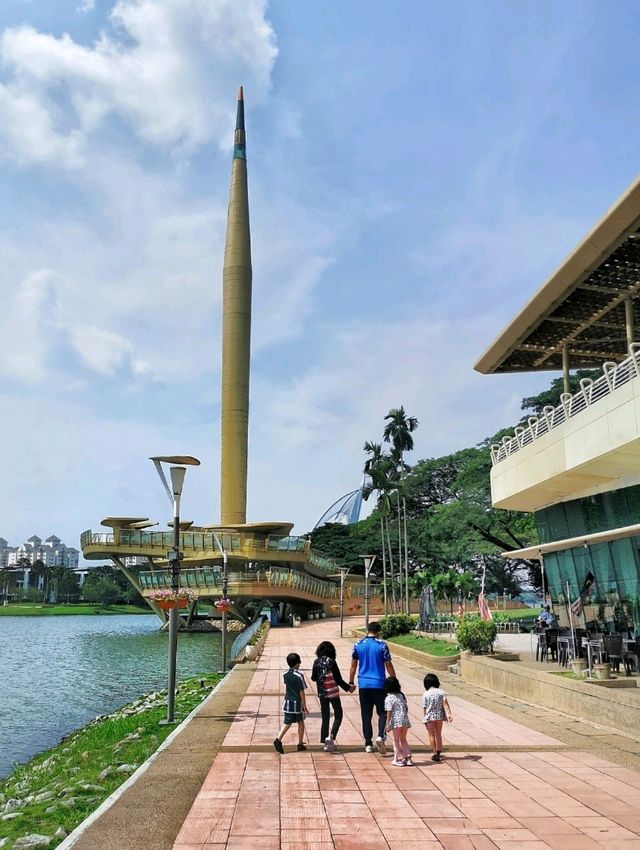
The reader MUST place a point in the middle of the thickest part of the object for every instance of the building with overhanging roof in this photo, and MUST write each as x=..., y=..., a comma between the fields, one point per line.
x=577, y=465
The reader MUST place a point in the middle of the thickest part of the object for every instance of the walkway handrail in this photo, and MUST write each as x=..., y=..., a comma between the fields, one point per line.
x=614, y=376
x=244, y=637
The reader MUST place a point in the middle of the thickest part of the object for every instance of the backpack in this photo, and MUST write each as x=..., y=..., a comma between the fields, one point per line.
x=327, y=681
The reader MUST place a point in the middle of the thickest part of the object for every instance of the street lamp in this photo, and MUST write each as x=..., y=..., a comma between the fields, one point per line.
x=368, y=564
x=223, y=604
x=174, y=492
x=344, y=571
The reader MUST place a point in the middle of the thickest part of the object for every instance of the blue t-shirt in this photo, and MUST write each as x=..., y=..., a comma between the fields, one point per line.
x=371, y=654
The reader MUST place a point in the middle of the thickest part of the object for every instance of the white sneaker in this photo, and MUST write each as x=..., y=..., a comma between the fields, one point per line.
x=395, y=763
x=330, y=745
x=368, y=748
x=380, y=745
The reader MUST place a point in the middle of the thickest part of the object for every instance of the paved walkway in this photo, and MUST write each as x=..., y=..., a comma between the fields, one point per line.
x=503, y=784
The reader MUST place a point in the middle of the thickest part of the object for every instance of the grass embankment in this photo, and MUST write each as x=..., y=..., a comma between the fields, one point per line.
x=56, y=790
x=37, y=609
x=432, y=646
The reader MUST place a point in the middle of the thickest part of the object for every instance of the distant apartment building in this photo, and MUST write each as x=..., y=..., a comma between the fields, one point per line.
x=52, y=552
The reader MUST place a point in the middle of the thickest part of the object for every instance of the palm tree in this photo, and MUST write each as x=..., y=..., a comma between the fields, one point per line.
x=398, y=431
x=376, y=468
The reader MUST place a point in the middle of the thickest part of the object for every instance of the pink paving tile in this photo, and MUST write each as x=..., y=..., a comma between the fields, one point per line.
x=348, y=842
x=306, y=845
x=254, y=842
x=456, y=842
x=481, y=842
x=414, y=845
x=451, y=826
x=354, y=826
x=498, y=835
x=548, y=826
x=523, y=845
x=402, y=833
x=572, y=842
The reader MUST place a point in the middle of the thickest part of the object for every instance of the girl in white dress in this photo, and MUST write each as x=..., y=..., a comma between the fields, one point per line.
x=436, y=710
x=395, y=704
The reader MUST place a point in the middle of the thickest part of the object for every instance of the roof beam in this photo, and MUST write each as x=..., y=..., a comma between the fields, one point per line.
x=558, y=320
x=618, y=299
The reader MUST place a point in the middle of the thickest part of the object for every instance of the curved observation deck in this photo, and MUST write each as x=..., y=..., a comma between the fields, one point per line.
x=200, y=546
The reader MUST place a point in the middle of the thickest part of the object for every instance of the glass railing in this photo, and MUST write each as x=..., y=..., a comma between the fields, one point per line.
x=195, y=541
x=614, y=375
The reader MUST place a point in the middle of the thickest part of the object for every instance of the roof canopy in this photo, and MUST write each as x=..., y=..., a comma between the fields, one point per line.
x=582, y=305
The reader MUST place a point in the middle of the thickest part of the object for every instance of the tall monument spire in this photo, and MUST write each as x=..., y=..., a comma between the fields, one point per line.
x=236, y=337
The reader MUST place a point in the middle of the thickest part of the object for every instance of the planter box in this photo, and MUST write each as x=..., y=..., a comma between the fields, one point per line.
x=618, y=710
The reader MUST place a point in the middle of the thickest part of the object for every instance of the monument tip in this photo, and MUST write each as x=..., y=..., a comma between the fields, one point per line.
x=240, y=93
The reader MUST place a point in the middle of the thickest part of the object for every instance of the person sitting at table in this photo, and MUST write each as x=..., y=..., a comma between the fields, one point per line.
x=546, y=617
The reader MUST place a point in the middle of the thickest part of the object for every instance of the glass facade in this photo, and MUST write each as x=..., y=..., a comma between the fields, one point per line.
x=615, y=565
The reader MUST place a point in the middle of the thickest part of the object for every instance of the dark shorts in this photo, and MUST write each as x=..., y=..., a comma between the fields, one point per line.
x=293, y=717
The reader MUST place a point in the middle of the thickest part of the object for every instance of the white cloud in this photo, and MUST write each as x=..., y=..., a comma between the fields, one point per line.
x=85, y=6
x=107, y=353
x=166, y=68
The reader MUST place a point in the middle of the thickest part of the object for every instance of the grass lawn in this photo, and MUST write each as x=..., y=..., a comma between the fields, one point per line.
x=36, y=609
x=431, y=646
x=61, y=787
x=518, y=613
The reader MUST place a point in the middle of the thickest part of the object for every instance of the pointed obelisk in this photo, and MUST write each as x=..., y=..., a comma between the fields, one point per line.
x=236, y=337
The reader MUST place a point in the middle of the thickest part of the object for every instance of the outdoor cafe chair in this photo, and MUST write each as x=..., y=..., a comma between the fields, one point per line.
x=614, y=650
x=630, y=656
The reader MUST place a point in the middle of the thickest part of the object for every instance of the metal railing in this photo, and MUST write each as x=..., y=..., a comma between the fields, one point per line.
x=196, y=541
x=209, y=577
x=614, y=375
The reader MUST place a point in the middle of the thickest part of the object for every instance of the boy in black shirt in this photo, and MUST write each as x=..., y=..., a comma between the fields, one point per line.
x=295, y=702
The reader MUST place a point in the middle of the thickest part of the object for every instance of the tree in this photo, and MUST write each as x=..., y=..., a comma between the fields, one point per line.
x=378, y=467
x=398, y=431
x=66, y=585
x=102, y=590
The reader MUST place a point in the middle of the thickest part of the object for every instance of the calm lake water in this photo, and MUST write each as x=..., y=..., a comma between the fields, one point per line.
x=56, y=673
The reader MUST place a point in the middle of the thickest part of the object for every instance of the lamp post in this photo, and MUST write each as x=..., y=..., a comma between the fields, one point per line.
x=368, y=564
x=224, y=607
x=174, y=492
x=344, y=571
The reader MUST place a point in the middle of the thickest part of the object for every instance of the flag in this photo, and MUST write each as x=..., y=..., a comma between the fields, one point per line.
x=483, y=607
x=578, y=605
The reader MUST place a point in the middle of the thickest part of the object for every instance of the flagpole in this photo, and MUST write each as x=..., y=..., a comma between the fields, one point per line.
x=573, y=634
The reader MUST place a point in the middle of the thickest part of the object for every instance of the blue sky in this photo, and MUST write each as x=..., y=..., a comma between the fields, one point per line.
x=416, y=171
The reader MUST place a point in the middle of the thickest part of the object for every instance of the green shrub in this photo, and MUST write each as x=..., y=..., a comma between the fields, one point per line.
x=476, y=635
x=397, y=624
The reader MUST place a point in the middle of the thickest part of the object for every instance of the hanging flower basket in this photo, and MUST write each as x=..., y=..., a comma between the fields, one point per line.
x=168, y=599
x=223, y=604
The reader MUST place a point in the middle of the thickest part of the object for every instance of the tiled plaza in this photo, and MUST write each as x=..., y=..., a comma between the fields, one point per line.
x=502, y=785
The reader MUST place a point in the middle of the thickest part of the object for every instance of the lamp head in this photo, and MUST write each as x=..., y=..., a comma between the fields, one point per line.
x=177, y=479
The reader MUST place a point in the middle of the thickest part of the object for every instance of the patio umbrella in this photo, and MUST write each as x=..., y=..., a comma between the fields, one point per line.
x=427, y=606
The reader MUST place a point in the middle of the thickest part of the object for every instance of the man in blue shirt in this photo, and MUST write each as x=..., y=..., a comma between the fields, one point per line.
x=371, y=655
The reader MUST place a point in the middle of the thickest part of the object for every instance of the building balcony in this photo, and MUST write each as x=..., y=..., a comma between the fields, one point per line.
x=589, y=443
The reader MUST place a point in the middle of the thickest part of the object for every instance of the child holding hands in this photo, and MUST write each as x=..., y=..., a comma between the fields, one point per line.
x=436, y=710
x=395, y=704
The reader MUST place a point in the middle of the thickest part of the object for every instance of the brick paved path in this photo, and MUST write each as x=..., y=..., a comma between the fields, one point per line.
x=502, y=785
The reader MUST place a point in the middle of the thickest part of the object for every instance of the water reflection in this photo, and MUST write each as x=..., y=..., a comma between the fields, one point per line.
x=60, y=672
